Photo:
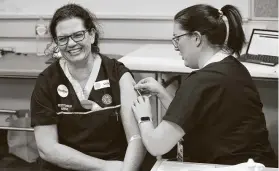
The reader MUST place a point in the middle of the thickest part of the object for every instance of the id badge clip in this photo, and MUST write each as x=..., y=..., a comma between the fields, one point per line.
x=179, y=155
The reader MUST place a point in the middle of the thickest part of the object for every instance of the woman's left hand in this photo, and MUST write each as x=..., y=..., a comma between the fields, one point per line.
x=142, y=107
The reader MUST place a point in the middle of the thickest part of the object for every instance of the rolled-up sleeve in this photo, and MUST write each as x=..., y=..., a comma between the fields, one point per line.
x=120, y=69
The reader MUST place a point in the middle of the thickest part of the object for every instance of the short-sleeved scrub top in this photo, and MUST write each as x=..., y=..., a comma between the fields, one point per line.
x=220, y=111
x=56, y=100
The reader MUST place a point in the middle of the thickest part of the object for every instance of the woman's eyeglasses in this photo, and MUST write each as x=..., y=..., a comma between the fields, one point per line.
x=175, y=40
x=76, y=37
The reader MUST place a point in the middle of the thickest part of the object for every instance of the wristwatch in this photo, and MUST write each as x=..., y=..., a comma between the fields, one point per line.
x=144, y=119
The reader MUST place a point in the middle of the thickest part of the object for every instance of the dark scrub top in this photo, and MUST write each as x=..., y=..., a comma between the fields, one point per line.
x=220, y=111
x=99, y=134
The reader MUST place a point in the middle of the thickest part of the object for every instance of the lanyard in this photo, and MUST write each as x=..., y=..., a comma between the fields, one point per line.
x=179, y=155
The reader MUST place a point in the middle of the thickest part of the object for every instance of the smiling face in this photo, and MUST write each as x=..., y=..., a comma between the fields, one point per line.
x=188, y=45
x=79, y=49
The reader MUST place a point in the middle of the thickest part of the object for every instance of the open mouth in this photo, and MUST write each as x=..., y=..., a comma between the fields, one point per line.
x=75, y=51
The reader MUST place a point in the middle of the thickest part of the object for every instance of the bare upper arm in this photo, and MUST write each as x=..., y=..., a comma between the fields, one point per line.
x=128, y=95
x=46, y=137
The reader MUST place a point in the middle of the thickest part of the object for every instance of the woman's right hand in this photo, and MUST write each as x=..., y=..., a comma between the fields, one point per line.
x=149, y=86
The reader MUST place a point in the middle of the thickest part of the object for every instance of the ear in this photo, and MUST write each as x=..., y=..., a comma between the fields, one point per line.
x=92, y=36
x=198, y=38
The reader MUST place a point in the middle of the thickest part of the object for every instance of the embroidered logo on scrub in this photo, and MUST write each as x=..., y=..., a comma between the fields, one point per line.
x=107, y=99
x=62, y=90
x=65, y=107
x=101, y=84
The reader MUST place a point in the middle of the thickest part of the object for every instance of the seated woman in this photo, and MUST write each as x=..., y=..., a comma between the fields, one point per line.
x=81, y=104
x=216, y=115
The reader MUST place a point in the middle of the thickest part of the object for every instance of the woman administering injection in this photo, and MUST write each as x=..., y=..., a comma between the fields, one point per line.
x=216, y=115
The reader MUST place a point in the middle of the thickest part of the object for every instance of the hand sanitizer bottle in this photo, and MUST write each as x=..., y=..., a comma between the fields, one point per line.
x=41, y=32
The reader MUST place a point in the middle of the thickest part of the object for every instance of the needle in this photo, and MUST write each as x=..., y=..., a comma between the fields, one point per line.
x=141, y=94
x=138, y=92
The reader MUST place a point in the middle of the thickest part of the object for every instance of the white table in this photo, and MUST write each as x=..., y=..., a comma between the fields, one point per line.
x=162, y=58
x=163, y=165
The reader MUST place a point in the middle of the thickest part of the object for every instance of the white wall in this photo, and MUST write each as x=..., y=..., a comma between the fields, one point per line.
x=126, y=24
x=120, y=36
x=160, y=8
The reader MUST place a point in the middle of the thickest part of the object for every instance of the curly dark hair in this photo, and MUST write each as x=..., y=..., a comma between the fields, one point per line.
x=71, y=11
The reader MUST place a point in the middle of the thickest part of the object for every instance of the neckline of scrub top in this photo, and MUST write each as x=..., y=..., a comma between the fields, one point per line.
x=217, y=57
x=83, y=94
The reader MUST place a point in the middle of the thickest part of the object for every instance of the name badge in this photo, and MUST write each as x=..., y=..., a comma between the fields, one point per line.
x=101, y=84
x=180, y=150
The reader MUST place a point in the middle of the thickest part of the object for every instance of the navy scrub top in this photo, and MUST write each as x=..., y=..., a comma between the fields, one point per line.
x=220, y=111
x=99, y=134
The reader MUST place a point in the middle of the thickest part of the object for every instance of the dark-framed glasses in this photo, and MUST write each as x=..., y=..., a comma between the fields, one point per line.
x=175, y=39
x=76, y=37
